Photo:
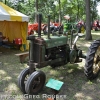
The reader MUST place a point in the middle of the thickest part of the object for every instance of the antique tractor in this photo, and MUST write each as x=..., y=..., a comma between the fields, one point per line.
x=96, y=25
x=54, y=27
x=46, y=50
x=81, y=27
x=92, y=64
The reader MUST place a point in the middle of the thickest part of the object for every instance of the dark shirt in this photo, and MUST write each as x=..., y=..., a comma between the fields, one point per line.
x=1, y=39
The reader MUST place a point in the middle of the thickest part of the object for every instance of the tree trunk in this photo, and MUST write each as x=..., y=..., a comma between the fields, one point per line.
x=29, y=2
x=5, y=1
x=88, y=21
x=36, y=10
x=78, y=7
x=59, y=12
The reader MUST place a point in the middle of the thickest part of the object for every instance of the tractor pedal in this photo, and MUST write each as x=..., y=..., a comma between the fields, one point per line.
x=78, y=47
x=83, y=56
x=80, y=60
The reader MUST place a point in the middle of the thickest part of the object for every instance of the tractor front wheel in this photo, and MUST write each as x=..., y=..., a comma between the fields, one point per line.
x=22, y=78
x=35, y=83
x=92, y=64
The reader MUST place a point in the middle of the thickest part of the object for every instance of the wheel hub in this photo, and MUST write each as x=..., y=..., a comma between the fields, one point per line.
x=96, y=65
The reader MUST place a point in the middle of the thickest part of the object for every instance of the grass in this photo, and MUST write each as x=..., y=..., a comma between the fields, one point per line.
x=76, y=85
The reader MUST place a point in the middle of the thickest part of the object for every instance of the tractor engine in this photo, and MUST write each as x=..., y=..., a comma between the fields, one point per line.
x=54, y=51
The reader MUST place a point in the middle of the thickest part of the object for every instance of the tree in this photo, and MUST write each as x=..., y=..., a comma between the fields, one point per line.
x=59, y=12
x=94, y=10
x=88, y=35
x=5, y=1
x=36, y=10
x=74, y=8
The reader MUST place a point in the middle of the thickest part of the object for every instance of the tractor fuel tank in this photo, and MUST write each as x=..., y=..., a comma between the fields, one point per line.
x=55, y=41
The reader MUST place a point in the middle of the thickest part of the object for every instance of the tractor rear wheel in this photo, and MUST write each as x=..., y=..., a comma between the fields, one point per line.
x=92, y=64
x=35, y=83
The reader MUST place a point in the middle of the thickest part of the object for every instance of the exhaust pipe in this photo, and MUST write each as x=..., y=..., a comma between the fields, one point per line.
x=48, y=26
x=39, y=25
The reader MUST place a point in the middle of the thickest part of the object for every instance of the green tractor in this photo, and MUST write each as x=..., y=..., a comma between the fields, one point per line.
x=78, y=27
x=92, y=64
x=46, y=50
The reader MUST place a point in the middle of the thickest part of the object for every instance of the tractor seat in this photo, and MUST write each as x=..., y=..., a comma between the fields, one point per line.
x=81, y=34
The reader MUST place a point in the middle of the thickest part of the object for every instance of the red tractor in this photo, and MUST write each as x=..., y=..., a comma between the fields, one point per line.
x=81, y=27
x=44, y=27
x=54, y=27
x=96, y=25
x=32, y=28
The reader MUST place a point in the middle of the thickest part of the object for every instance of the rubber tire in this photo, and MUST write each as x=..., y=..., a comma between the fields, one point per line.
x=88, y=69
x=33, y=76
x=21, y=79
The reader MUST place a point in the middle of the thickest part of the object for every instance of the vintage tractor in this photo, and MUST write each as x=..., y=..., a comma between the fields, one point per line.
x=81, y=27
x=54, y=28
x=68, y=26
x=34, y=28
x=46, y=50
x=96, y=25
x=92, y=64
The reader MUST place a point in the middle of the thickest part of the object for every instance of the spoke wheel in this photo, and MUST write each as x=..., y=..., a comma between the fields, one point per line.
x=92, y=64
x=35, y=83
x=22, y=78
x=96, y=65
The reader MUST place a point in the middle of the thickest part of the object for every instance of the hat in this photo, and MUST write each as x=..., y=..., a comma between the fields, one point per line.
x=67, y=17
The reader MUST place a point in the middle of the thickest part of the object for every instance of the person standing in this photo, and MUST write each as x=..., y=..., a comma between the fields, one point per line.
x=1, y=38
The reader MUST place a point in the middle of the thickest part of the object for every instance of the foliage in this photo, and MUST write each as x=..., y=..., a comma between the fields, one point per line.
x=75, y=8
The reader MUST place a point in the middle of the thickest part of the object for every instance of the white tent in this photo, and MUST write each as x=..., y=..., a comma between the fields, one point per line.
x=13, y=24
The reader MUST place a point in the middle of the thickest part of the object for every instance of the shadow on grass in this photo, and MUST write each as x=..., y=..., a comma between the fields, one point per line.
x=9, y=71
x=76, y=86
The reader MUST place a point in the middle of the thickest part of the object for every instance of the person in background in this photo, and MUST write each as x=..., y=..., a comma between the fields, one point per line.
x=1, y=38
x=67, y=26
x=51, y=26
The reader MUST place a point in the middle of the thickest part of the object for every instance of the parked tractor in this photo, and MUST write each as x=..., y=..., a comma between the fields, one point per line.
x=81, y=27
x=92, y=64
x=43, y=51
x=34, y=28
x=96, y=25
x=54, y=28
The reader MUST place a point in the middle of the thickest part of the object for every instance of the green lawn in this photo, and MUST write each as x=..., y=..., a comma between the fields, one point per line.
x=76, y=86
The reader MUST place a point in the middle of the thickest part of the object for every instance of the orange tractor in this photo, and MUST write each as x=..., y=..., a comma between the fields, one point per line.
x=44, y=28
x=32, y=28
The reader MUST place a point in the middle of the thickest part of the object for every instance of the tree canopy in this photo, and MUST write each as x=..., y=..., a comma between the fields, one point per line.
x=77, y=10
x=74, y=8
